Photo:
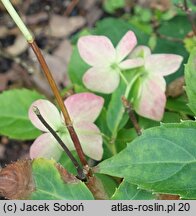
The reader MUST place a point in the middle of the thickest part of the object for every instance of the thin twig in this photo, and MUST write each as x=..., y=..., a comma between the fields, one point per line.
x=59, y=99
x=187, y=10
x=130, y=111
x=168, y=37
x=81, y=174
x=184, y=7
x=71, y=6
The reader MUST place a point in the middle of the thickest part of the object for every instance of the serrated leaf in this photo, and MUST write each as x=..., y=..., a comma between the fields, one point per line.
x=128, y=191
x=190, y=80
x=14, y=121
x=163, y=160
x=50, y=185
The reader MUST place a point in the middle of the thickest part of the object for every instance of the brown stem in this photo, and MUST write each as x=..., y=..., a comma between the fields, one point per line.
x=79, y=169
x=60, y=102
x=129, y=110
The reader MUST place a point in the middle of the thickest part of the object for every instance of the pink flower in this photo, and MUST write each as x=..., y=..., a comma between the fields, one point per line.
x=151, y=99
x=106, y=61
x=83, y=109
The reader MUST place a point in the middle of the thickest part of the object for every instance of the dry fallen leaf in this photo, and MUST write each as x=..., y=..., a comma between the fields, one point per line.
x=58, y=69
x=87, y=4
x=60, y=26
x=34, y=20
x=64, y=51
x=176, y=88
x=3, y=31
x=162, y=5
x=19, y=46
x=93, y=15
x=16, y=180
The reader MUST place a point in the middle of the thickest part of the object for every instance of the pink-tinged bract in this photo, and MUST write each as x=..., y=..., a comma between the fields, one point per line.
x=106, y=61
x=140, y=51
x=98, y=80
x=96, y=50
x=83, y=108
x=131, y=63
x=163, y=64
x=46, y=146
x=49, y=112
x=151, y=99
x=125, y=45
x=90, y=138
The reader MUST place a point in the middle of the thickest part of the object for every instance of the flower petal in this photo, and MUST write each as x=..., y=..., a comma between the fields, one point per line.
x=96, y=50
x=46, y=146
x=140, y=51
x=101, y=79
x=48, y=111
x=163, y=64
x=84, y=106
x=91, y=139
x=131, y=63
x=125, y=46
x=152, y=99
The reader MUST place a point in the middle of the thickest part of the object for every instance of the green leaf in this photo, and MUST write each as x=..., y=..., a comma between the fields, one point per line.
x=67, y=163
x=108, y=183
x=190, y=43
x=111, y=6
x=125, y=136
x=161, y=160
x=190, y=3
x=115, y=29
x=76, y=67
x=14, y=121
x=50, y=186
x=178, y=27
x=179, y=105
x=190, y=80
x=115, y=112
x=169, y=117
x=128, y=191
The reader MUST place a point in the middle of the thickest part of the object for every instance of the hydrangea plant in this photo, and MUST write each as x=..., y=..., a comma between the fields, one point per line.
x=108, y=66
x=120, y=165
